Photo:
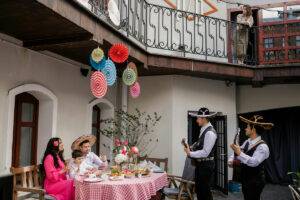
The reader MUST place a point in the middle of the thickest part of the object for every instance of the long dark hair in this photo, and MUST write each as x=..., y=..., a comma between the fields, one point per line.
x=53, y=150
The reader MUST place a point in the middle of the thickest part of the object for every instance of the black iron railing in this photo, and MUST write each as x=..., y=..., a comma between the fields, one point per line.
x=163, y=30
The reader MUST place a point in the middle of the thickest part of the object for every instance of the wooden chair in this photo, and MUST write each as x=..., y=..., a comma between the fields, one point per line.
x=295, y=193
x=27, y=184
x=157, y=161
x=179, y=188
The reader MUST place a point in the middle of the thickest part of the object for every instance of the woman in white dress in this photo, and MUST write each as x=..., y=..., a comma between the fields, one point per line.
x=245, y=21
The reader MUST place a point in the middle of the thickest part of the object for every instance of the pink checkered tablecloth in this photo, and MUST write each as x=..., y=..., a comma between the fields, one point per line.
x=128, y=189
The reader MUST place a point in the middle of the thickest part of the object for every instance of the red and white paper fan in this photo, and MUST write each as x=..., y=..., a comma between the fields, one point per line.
x=135, y=90
x=118, y=53
x=98, y=84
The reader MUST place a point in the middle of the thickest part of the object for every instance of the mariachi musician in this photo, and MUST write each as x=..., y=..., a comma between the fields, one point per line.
x=251, y=156
x=202, y=153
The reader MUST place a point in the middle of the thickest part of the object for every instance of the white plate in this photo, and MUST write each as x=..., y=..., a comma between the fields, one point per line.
x=93, y=179
x=116, y=178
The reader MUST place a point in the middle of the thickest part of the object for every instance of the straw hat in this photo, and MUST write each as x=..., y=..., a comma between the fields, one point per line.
x=258, y=122
x=91, y=138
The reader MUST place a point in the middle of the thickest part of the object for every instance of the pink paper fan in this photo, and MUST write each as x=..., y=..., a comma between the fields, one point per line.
x=135, y=90
x=98, y=84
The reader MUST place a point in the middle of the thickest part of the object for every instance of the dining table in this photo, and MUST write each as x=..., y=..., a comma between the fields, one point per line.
x=137, y=188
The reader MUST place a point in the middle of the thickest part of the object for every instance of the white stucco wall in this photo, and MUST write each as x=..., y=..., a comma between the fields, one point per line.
x=20, y=66
x=251, y=99
x=173, y=97
x=156, y=96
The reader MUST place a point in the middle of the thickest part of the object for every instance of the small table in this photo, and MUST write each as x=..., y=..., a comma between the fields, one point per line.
x=128, y=189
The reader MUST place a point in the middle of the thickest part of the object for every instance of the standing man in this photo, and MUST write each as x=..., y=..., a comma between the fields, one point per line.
x=90, y=159
x=252, y=155
x=202, y=153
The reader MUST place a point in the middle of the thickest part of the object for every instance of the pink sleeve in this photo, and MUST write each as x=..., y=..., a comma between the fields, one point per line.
x=52, y=173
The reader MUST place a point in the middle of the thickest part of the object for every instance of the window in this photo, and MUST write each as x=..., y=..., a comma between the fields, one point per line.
x=274, y=55
x=294, y=40
x=96, y=128
x=274, y=42
x=293, y=27
x=273, y=14
x=279, y=28
x=293, y=12
x=269, y=42
x=25, y=130
x=294, y=54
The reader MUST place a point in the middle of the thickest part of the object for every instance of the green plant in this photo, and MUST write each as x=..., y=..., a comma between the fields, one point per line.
x=137, y=128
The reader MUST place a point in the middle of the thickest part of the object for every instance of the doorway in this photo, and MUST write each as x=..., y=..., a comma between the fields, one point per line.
x=25, y=130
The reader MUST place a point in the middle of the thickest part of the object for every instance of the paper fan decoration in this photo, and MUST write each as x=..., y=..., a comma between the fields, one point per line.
x=98, y=84
x=133, y=66
x=118, y=53
x=135, y=90
x=109, y=72
x=113, y=12
x=97, y=55
x=129, y=76
x=97, y=66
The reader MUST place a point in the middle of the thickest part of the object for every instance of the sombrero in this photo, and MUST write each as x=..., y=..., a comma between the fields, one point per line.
x=91, y=138
x=203, y=112
x=258, y=121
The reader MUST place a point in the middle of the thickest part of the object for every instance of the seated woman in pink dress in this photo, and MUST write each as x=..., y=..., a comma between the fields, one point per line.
x=56, y=183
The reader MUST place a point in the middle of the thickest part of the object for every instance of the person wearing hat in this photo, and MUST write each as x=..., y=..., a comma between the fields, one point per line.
x=202, y=153
x=252, y=155
x=90, y=159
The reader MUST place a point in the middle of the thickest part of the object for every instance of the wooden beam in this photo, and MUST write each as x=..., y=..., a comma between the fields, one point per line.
x=46, y=43
x=197, y=66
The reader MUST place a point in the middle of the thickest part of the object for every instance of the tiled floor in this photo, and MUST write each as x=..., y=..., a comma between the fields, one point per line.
x=271, y=192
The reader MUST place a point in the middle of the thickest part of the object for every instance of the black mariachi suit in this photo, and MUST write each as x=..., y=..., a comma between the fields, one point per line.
x=204, y=169
x=252, y=178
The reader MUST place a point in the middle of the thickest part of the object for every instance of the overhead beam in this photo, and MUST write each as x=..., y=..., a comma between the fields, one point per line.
x=47, y=43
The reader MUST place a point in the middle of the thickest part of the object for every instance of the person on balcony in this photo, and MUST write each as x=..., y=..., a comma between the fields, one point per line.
x=252, y=155
x=90, y=159
x=244, y=22
x=54, y=171
x=202, y=153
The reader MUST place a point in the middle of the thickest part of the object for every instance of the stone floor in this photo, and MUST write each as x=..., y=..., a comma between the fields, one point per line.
x=271, y=192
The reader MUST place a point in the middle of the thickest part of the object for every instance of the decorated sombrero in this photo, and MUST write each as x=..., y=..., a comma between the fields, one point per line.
x=91, y=138
x=258, y=121
x=202, y=112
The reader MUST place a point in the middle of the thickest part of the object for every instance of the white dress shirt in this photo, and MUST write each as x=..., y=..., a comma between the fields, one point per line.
x=92, y=160
x=76, y=170
x=260, y=154
x=209, y=142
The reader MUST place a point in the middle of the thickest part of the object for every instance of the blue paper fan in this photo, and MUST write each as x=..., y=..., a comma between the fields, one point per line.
x=109, y=71
x=98, y=66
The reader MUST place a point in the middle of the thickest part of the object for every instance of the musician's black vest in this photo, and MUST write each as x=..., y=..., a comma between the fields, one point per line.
x=249, y=174
x=200, y=143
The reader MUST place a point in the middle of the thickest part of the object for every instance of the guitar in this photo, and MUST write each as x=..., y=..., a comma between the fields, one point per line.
x=236, y=141
x=184, y=143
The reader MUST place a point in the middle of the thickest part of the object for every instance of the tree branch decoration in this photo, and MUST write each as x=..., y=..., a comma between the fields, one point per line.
x=134, y=129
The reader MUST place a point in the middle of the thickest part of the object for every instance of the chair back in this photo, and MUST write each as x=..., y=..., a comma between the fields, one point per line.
x=161, y=162
x=26, y=177
x=295, y=194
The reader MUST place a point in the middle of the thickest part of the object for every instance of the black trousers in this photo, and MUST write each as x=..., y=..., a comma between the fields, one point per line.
x=252, y=189
x=203, y=177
